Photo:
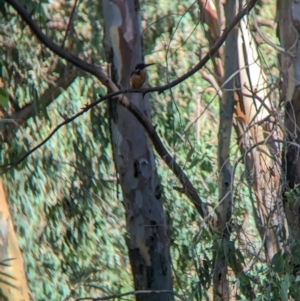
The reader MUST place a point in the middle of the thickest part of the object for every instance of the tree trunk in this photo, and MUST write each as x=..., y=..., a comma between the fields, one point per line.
x=288, y=19
x=13, y=283
x=256, y=132
x=148, y=243
x=224, y=208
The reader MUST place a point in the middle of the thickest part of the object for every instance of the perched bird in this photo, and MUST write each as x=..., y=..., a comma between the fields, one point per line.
x=138, y=76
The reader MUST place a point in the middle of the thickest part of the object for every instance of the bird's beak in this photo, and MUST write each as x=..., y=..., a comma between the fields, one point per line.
x=147, y=65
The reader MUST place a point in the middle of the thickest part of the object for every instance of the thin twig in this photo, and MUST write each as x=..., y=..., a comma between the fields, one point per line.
x=69, y=24
x=188, y=187
x=268, y=41
x=92, y=69
x=190, y=191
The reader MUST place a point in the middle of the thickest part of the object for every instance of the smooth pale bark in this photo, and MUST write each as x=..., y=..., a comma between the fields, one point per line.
x=148, y=242
x=13, y=273
x=288, y=18
x=256, y=129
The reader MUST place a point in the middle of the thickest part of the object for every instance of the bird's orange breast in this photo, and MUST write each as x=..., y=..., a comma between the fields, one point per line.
x=137, y=80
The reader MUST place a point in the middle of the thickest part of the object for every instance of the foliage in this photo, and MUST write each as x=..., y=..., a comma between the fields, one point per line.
x=79, y=223
x=66, y=207
x=65, y=198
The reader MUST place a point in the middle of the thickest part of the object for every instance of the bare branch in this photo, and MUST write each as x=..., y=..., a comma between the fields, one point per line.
x=76, y=61
x=92, y=69
x=134, y=293
x=69, y=24
x=210, y=79
x=268, y=41
x=68, y=75
x=190, y=191
x=188, y=187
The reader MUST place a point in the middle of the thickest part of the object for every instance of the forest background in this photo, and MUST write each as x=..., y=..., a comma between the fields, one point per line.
x=218, y=199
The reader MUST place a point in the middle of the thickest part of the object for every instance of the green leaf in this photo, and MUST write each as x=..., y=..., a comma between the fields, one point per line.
x=278, y=263
x=284, y=287
x=3, y=99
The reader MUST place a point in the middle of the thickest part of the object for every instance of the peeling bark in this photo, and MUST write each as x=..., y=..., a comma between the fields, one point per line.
x=210, y=16
x=148, y=242
x=256, y=129
x=288, y=19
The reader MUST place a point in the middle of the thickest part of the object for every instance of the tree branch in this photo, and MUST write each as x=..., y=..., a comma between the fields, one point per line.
x=92, y=69
x=69, y=24
x=73, y=59
x=68, y=75
x=188, y=187
x=133, y=293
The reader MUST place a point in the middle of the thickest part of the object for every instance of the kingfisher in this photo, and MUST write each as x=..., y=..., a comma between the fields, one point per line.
x=138, y=76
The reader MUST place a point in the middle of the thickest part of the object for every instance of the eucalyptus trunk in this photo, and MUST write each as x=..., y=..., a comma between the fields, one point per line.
x=258, y=136
x=148, y=242
x=288, y=19
x=224, y=208
x=13, y=283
